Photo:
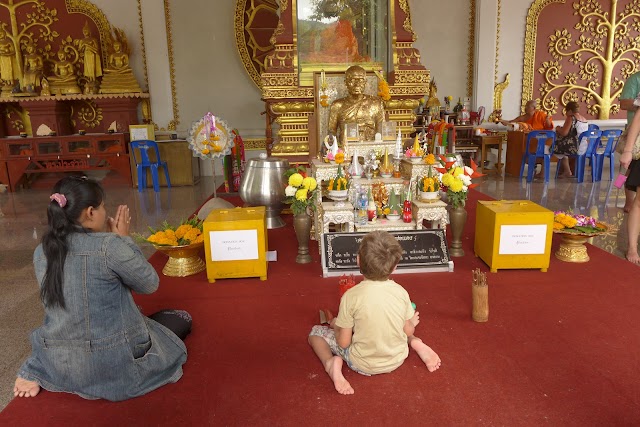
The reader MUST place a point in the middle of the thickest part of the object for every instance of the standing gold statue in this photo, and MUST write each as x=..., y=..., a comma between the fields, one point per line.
x=8, y=65
x=88, y=48
x=118, y=75
x=33, y=67
x=365, y=110
x=64, y=79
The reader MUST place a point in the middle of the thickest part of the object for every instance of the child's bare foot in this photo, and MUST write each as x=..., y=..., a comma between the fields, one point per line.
x=334, y=369
x=415, y=319
x=428, y=356
x=25, y=388
x=633, y=257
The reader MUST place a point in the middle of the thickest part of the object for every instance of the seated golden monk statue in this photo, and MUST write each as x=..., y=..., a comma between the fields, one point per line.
x=118, y=75
x=33, y=66
x=365, y=110
x=64, y=79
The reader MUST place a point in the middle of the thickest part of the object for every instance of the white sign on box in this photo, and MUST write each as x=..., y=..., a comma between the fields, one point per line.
x=523, y=239
x=236, y=245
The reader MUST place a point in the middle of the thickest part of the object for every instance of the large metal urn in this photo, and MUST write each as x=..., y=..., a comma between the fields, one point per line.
x=263, y=184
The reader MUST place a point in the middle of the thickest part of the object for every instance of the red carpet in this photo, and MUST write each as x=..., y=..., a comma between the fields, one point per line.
x=560, y=348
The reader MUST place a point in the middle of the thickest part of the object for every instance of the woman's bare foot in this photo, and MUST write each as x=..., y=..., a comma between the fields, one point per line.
x=427, y=355
x=633, y=257
x=25, y=388
x=334, y=369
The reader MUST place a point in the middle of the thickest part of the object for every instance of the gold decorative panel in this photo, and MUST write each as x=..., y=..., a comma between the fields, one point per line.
x=580, y=51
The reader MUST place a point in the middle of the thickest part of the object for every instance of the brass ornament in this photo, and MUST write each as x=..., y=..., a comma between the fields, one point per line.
x=255, y=144
x=498, y=89
x=292, y=107
x=172, y=68
x=17, y=117
x=279, y=79
x=411, y=77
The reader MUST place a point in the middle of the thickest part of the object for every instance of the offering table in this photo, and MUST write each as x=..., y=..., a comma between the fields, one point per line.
x=436, y=212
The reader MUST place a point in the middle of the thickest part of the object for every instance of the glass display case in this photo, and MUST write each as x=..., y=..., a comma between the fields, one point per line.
x=335, y=34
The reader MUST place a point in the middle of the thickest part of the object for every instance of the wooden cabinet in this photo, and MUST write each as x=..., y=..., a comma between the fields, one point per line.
x=516, y=141
x=184, y=169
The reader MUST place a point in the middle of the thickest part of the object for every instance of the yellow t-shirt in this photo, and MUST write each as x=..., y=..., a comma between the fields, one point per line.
x=377, y=311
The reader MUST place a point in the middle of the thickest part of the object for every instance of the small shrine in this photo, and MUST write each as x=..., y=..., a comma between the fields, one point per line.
x=67, y=89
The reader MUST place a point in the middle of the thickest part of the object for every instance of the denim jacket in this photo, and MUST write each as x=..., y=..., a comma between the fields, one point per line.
x=101, y=346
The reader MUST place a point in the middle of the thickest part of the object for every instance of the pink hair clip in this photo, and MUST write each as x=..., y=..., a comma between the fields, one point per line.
x=59, y=198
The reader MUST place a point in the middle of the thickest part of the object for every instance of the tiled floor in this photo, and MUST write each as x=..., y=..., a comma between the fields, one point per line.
x=23, y=220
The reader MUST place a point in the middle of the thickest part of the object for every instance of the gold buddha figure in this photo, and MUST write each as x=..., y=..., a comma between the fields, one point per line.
x=8, y=63
x=64, y=79
x=118, y=75
x=33, y=69
x=88, y=48
x=365, y=110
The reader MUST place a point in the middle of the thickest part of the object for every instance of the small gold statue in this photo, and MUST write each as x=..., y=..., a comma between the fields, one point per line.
x=88, y=48
x=64, y=79
x=118, y=75
x=46, y=90
x=8, y=62
x=433, y=103
x=33, y=69
x=365, y=110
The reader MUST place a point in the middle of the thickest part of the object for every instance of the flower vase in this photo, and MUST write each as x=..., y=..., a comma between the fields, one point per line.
x=302, y=225
x=457, y=220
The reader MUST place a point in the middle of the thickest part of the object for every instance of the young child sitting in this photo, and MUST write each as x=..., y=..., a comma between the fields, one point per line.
x=375, y=320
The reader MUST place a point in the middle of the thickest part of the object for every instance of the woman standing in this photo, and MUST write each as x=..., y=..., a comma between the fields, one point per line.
x=94, y=341
x=567, y=136
x=632, y=183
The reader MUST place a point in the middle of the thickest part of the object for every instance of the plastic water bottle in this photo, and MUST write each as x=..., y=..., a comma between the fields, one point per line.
x=362, y=208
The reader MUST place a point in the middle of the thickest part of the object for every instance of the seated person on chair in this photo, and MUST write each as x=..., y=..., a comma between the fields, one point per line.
x=567, y=136
x=537, y=119
x=365, y=110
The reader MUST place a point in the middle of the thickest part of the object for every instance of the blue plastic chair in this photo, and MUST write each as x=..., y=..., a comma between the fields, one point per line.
x=532, y=154
x=593, y=139
x=606, y=149
x=143, y=146
x=593, y=127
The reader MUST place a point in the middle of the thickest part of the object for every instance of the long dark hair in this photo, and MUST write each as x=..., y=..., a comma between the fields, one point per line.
x=80, y=193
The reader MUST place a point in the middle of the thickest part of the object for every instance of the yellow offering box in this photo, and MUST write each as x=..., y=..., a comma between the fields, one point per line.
x=513, y=234
x=236, y=243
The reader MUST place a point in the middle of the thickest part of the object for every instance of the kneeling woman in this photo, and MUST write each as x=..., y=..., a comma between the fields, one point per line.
x=94, y=341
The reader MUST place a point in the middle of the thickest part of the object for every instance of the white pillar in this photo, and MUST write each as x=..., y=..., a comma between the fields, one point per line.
x=155, y=36
x=485, y=53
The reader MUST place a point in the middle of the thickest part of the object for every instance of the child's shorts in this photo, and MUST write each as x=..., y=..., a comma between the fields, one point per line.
x=329, y=336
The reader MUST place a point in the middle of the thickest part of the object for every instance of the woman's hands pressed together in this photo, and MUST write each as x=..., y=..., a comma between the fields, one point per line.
x=120, y=223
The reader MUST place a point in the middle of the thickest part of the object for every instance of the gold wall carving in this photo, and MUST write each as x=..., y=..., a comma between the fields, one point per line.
x=89, y=114
x=293, y=107
x=144, y=49
x=411, y=77
x=89, y=9
x=18, y=118
x=471, y=49
x=530, y=48
x=495, y=68
x=279, y=79
x=404, y=5
x=173, y=124
x=606, y=53
x=254, y=144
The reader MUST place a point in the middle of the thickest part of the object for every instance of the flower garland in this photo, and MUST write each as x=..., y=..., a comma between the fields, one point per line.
x=210, y=137
x=383, y=87
x=187, y=233
x=569, y=222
